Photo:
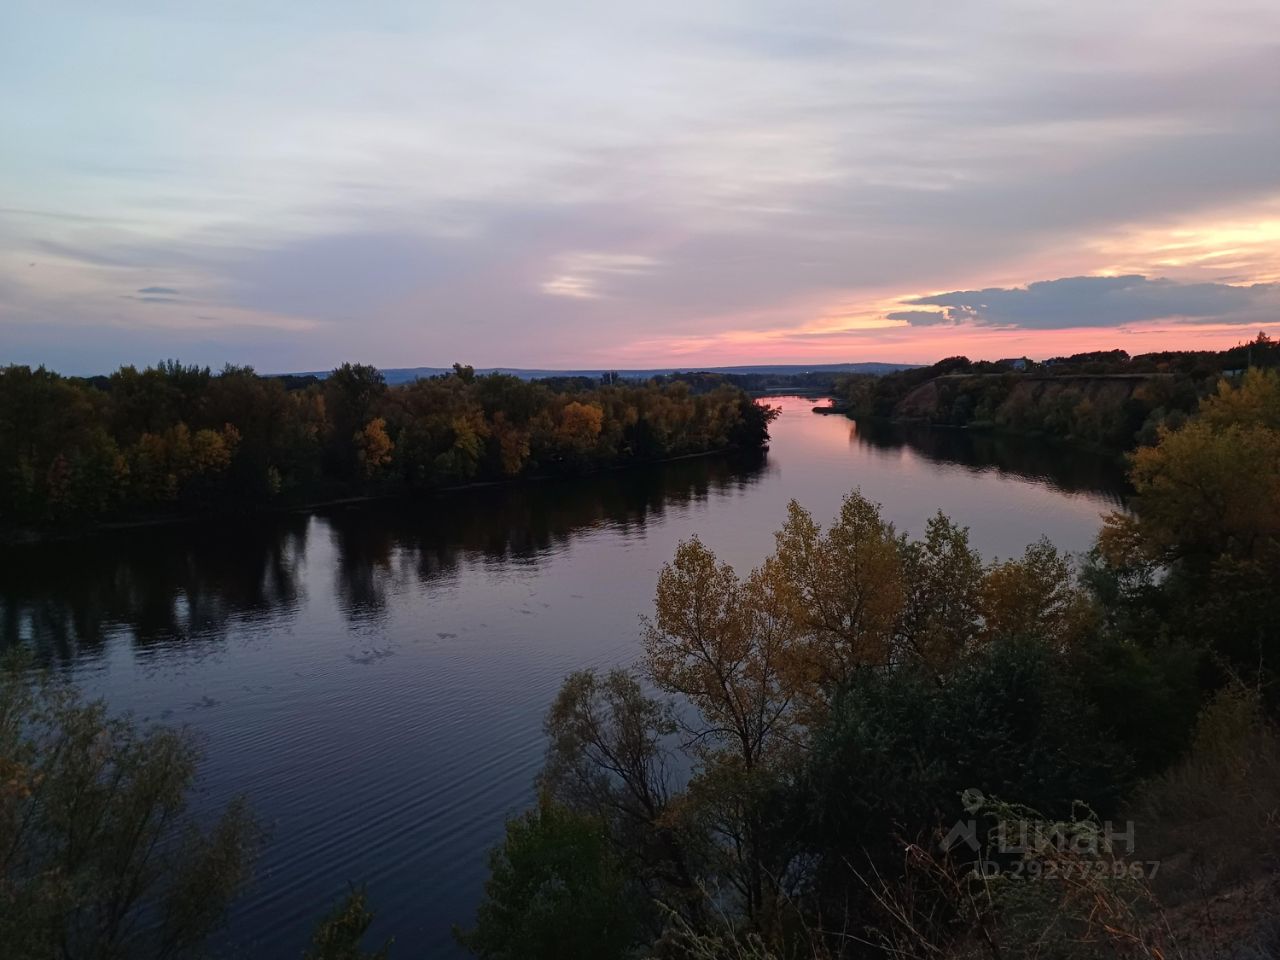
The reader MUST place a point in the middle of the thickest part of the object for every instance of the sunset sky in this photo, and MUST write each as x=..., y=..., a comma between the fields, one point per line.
x=554, y=184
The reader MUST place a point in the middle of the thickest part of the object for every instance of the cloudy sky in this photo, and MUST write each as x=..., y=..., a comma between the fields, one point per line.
x=545, y=183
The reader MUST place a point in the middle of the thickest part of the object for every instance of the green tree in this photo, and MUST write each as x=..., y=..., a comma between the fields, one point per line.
x=556, y=891
x=340, y=934
x=898, y=749
x=610, y=756
x=97, y=858
x=941, y=601
x=353, y=393
x=843, y=587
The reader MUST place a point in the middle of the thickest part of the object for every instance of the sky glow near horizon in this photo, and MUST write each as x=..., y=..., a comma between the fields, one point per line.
x=558, y=184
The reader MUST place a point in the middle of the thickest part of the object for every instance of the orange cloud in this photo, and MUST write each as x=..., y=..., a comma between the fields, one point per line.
x=1235, y=246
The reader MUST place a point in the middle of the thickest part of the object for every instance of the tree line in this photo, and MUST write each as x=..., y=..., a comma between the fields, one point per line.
x=1105, y=398
x=181, y=439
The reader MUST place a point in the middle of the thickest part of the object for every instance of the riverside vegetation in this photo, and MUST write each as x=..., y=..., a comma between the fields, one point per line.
x=774, y=779
x=1107, y=399
x=174, y=440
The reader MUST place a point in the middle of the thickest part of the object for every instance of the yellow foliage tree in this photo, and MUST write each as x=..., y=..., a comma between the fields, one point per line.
x=1204, y=491
x=1035, y=598
x=513, y=444
x=722, y=644
x=162, y=463
x=373, y=447
x=843, y=588
x=580, y=425
x=212, y=450
x=1255, y=401
x=941, y=584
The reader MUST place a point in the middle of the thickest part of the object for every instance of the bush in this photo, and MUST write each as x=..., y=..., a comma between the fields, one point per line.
x=900, y=748
x=97, y=857
x=555, y=891
x=1213, y=816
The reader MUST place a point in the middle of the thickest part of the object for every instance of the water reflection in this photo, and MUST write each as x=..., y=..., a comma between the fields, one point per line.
x=1070, y=469
x=384, y=546
x=188, y=583
x=161, y=585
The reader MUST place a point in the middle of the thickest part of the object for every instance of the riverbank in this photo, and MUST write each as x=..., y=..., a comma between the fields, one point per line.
x=983, y=428
x=29, y=536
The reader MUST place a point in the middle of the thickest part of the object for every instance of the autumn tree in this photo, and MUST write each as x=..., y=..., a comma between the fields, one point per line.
x=722, y=644
x=579, y=427
x=97, y=856
x=1253, y=402
x=843, y=588
x=1036, y=596
x=178, y=461
x=1199, y=557
x=1205, y=490
x=174, y=437
x=941, y=611
x=512, y=444
x=373, y=447
x=1210, y=489
x=831, y=705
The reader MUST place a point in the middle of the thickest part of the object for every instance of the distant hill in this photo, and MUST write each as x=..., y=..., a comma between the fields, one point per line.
x=409, y=374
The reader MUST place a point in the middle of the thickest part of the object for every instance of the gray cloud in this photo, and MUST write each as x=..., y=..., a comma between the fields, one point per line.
x=159, y=290
x=920, y=318
x=1100, y=302
x=152, y=298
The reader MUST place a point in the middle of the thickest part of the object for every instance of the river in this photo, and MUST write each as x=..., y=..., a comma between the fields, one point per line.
x=373, y=677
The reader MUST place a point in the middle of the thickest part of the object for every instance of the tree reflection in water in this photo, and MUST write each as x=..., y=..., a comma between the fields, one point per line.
x=1067, y=468
x=185, y=584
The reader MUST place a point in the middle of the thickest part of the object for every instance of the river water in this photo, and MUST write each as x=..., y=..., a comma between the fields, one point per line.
x=373, y=677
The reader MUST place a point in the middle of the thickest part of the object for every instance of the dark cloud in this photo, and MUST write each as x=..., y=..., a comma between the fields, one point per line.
x=129, y=251
x=1100, y=302
x=160, y=290
x=920, y=318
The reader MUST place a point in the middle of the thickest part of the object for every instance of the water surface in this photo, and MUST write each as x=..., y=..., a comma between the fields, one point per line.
x=374, y=677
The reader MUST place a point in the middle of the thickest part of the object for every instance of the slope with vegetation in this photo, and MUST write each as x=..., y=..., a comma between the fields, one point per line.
x=1108, y=399
x=173, y=439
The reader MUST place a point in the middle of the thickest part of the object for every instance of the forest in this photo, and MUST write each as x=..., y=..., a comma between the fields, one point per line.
x=178, y=440
x=1108, y=398
x=868, y=746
